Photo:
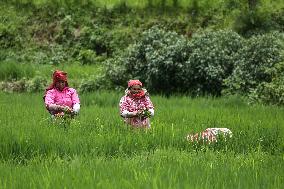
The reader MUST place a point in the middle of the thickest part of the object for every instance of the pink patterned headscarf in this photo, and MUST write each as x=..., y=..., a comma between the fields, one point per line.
x=134, y=82
x=136, y=95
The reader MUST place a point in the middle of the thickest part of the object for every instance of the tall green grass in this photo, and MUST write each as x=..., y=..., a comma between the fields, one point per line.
x=16, y=71
x=162, y=169
x=98, y=150
x=147, y=3
x=11, y=70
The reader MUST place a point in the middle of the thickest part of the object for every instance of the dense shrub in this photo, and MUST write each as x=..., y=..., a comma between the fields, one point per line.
x=270, y=92
x=58, y=55
x=65, y=29
x=88, y=86
x=254, y=62
x=37, y=84
x=211, y=60
x=116, y=71
x=7, y=36
x=93, y=38
x=93, y=83
x=10, y=27
x=14, y=86
x=157, y=59
x=168, y=62
x=86, y=56
x=259, y=20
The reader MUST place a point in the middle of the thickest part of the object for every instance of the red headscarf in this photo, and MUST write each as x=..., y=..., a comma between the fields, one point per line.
x=136, y=95
x=134, y=82
x=58, y=76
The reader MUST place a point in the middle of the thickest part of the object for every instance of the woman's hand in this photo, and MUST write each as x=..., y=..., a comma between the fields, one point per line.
x=128, y=114
x=133, y=114
x=139, y=112
x=67, y=110
x=59, y=108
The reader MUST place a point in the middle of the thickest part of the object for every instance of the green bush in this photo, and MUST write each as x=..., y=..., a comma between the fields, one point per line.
x=93, y=83
x=10, y=27
x=37, y=84
x=157, y=59
x=88, y=86
x=87, y=56
x=116, y=71
x=14, y=86
x=270, y=92
x=65, y=30
x=57, y=55
x=211, y=60
x=254, y=62
x=261, y=19
x=168, y=62
x=94, y=38
x=102, y=40
x=7, y=36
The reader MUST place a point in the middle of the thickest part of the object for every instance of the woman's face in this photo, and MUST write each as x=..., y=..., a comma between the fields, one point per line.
x=60, y=85
x=135, y=89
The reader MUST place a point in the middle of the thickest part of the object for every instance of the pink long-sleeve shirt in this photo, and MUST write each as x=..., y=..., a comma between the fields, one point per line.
x=130, y=104
x=66, y=97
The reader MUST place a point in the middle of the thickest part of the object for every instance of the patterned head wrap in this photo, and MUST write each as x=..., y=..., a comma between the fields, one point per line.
x=134, y=82
x=58, y=76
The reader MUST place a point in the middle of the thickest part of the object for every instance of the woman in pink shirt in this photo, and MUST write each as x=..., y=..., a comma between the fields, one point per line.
x=135, y=106
x=59, y=98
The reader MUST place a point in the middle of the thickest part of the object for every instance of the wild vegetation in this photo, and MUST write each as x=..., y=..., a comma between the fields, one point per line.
x=106, y=42
x=202, y=62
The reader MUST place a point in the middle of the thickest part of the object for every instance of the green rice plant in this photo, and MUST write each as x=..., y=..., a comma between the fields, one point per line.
x=99, y=150
x=15, y=71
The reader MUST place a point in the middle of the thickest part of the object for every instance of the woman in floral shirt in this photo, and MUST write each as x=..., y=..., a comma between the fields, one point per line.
x=135, y=106
x=59, y=98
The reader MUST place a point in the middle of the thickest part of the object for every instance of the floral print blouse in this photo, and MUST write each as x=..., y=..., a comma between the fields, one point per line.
x=130, y=104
